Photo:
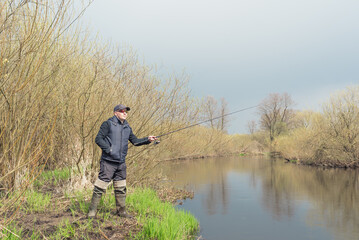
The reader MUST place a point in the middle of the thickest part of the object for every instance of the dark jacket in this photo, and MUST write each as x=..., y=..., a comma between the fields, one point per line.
x=113, y=138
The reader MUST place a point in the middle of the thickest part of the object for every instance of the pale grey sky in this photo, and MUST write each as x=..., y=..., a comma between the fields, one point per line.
x=241, y=50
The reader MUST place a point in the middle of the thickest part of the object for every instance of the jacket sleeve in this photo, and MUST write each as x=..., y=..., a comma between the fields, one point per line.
x=101, y=138
x=138, y=141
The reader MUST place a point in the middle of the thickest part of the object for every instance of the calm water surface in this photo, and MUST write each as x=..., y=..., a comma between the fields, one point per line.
x=258, y=198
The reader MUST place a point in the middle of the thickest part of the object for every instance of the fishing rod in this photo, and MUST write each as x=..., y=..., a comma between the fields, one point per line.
x=224, y=115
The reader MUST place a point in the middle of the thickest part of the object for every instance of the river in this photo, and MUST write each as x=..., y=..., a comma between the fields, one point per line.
x=256, y=198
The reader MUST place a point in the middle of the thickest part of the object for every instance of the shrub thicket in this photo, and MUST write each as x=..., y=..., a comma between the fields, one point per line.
x=329, y=138
x=58, y=84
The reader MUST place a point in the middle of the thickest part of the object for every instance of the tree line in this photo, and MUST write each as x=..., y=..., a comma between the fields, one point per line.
x=326, y=138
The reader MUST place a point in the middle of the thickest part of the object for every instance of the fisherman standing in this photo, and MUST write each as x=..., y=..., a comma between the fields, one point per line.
x=113, y=138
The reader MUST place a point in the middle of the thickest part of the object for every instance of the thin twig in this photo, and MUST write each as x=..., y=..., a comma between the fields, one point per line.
x=2, y=227
x=43, y=235
x=103, y=234
x=76, y=219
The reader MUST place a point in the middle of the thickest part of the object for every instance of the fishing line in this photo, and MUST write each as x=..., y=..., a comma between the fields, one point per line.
x=224, y=115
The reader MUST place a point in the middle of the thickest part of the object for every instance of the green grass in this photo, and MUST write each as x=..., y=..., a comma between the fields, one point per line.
x=15, y=232
x=78, y=202
x=53, y=177
x=161, y=220
x=65, y=231
x=81, y=205
x=36, y=202
x=72, y=230
x=10, y=232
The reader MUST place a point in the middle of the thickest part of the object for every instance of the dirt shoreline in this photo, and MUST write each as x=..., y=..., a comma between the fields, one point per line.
x=107, y=225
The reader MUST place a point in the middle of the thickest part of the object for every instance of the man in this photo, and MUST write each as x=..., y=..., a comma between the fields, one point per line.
x=113, y=139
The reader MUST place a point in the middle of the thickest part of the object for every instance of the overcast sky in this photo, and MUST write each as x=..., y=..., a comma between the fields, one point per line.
x=241, y=50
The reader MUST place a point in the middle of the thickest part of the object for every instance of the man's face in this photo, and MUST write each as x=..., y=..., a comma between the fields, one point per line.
x=121, y=114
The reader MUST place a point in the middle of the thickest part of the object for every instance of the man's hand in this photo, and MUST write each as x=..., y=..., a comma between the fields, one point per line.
x=152, y=138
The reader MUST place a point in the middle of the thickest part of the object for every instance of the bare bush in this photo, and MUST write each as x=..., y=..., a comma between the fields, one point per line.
x=341, y=129
x=29, y=66
x=57, y=86
x=329, y=138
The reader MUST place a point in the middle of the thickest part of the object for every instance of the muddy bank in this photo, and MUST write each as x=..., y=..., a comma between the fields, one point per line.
x=47, y=225
x=49, y=212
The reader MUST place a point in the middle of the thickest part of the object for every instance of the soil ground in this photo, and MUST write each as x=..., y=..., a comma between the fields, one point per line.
x=47, y=224
x=107, y=225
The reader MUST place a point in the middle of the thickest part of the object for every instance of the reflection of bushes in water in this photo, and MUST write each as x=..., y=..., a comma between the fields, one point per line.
x=210, y=172
x=277, y=192
x=333, y=191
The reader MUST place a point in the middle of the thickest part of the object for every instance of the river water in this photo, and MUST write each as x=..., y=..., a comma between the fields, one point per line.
x=254, y=198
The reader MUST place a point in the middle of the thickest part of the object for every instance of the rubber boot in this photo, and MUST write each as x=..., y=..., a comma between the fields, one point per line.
x=96, y=197
x=120, y=197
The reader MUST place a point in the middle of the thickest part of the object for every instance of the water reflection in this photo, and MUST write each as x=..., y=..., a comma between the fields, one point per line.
x=320, y=202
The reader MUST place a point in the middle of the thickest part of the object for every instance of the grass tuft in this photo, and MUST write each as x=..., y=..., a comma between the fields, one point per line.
x=36, y=202
x=160, y=219
x=10, y=232
x=65, y=231
x=53, y=177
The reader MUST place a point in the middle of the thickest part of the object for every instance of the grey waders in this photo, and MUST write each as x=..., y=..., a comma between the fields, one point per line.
x=96, y=197
x=120, y=196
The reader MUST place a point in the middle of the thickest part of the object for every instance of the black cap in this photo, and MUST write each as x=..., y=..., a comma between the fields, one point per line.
x=121, y=107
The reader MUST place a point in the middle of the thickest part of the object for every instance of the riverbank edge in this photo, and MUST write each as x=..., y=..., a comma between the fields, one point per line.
x=49, y=215
x=328, y=165
x=276, y=155
x=231, y=154
x=312, y=163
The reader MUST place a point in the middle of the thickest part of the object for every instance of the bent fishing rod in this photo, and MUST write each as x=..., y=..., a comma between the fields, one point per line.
x=224, y=115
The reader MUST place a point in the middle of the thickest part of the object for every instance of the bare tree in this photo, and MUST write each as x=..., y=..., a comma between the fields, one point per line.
x=276, y=114
x=252, y=126
x=211, y=106
x=216, y=114
x=224, y=119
